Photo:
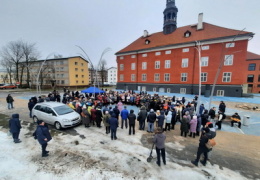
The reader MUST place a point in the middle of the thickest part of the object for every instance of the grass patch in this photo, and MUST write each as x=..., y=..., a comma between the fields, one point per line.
x=4, y=121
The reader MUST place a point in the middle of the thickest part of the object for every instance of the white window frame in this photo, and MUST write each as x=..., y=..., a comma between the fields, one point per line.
x=204, y=61
x=185, y=50
x=184, y=77
x=156, y=77
x=205, y=47
x=154, y=89
x=121, y=77
x=121, y=67
x=182, y=90
x=168, y=52
x=168, y=90
x=133, y=56
x=144, y=55
x=230, y=45
x=226, y=77
x=157, y=53
x=144, y=77
x=133, y=77
x=220, y=93
x=121, y=57
x=204, y=77
x=167, y=64
x=167, y=77
x=144, y=65
x=157, y=64
x=185, y=62
x=229, y=60
x=132, y=66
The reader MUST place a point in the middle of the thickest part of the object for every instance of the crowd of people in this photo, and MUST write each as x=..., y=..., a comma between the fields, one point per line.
x=159, y=112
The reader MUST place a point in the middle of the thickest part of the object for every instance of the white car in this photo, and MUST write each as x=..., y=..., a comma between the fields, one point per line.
x=57, y=114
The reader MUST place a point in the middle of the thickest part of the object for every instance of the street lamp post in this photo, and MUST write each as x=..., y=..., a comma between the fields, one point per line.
x=198, y=48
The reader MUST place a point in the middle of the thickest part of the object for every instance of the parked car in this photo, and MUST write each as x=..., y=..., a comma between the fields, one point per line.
x=8, y=86
x=57, y=114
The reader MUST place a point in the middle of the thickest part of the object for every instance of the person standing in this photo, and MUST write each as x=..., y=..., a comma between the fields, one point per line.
x=131, y=118
x=43, y=136
x=159, y=141
x=124, y=116
x=85, y=117
x=161, y=118
x=151, y=119
x=113, y=122
x=15, y=126
x=9, y=100
x=212, y=114
x=106, y=117
x=168, y=120
x=184, y=126
x=221, y=117
x=30, y=107
x=193, y=126
x=99, y=116
x=141, y=118
x=222, y=107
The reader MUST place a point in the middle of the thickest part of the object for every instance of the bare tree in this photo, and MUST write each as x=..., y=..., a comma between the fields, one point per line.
x=9, y=69
x=103, y=70
x=13, y=52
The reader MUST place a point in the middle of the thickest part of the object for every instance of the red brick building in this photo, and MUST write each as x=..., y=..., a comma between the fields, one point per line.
x=253, y=73
x=168, y=61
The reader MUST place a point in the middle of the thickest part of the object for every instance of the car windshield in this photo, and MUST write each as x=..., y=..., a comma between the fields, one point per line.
x=61, y=110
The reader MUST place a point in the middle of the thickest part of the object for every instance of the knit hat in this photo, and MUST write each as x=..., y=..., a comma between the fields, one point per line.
x=151, y=110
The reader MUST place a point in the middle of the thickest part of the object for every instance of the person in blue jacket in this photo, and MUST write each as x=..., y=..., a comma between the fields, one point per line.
x=113, y=126
x=15, y=126
x=43, y=136
x=124, y=116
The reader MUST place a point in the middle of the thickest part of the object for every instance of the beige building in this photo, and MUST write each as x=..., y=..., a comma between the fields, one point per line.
x=5, y=78
x=69, y=72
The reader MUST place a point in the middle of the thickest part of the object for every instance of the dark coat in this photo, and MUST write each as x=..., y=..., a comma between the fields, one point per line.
x=42, y=132
x=14, y=124
x=9, y=99
x=151, y=117
x=116, y=112
x=161, y=119
x=131, y=118
x=30, y=105
x=142, y=114
x=86, y=117
x=99, y=115
x=184, y=124
x=113, y=122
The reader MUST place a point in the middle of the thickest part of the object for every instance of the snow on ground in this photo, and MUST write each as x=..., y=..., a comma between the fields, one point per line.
x=93, y=155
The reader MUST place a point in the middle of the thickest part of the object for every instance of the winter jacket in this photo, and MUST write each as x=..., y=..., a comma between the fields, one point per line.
x=99, y=115
x=86, y=117
x=124, y=114
x=151, y=117
x=120, y=106
x=142, y=114
x=30, y=105
x=9, y=99
x=106, y=117
x=14, y=124
x=131, y=118
x=184, y=124
x=42, y=132
x=116, y=112
x=161, y=119
x=159, y=140
x=169, y=117
x=113, y=122
x=193, y=124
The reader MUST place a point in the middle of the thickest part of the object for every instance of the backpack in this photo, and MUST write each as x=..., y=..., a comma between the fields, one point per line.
x=211, y=143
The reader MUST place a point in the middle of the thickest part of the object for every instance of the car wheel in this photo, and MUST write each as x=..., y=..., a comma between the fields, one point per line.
x=57, y=125
x=35, y=119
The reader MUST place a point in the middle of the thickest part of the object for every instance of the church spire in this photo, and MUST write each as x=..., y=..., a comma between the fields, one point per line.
x=170, y=17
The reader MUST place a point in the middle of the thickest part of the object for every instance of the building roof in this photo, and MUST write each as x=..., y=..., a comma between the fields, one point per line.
x=252, y=56
x=159, y=39
x=62, y=58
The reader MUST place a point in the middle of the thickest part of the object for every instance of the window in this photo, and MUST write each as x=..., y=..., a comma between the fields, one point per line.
x=167, y=77
x=157, y=53
x=61, y=62
x=156, y=77
x=205, y=48
x=226, y=77
x=62, y=75
x=168, y=52
x=121, y=77
x=182, y=90
x=203, y=77
x=76, y=63
x=121, y=67
x=144, y=77
x=82, y=70
x=133, y=56
x=184, y=77
x=204, y=61
x=82, y=76
x=168, y=90
x=185, y=50
x=220, y=92
x=157, y=64
x=82, y=81
x=144, y=65
x=228, y=60
x=144, y=55
x=132, y=66
x=76, y=75
x=258, y=78
x=229, y=45
x=132, y=77
x=62, y=82
x=82, y=64
x=185, y=62
x=121, y=57
x=251, y=67
x=250, y=78
x=167, y=64
x=76, y=69
x=77, y=82
x=154, y=89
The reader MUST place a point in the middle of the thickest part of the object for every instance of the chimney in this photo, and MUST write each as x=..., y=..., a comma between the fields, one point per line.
x=145, y=33
x=200, y=22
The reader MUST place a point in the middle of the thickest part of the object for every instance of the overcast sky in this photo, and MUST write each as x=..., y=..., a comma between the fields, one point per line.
x=56, y=26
